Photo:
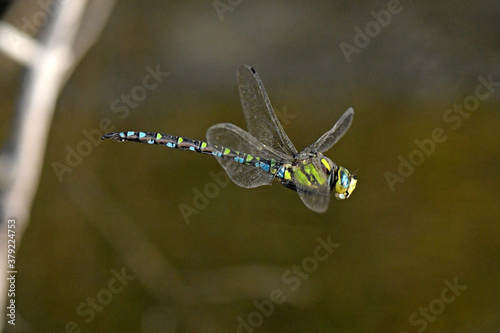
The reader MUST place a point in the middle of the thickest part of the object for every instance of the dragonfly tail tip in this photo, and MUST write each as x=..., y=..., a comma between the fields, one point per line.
x=111, y=136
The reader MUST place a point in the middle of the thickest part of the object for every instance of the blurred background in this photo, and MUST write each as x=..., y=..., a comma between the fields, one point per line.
x=121, y=240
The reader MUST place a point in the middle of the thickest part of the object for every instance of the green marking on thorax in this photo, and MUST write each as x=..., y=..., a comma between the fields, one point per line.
x=310, y=169
x=179, y=140
x=301, y=178
x=203, y=145
x=227, y=151
x=158, y=136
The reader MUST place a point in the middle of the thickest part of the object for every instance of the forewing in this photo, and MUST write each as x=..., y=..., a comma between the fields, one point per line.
x=234, y=138
x=327, y=140
x=261, y=120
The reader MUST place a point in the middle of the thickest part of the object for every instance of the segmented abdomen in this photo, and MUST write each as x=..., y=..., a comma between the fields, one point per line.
x=270, y=166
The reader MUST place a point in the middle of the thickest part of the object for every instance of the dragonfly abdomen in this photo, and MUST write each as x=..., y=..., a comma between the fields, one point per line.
x=179, y=142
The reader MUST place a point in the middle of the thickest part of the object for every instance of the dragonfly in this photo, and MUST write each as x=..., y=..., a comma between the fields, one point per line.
x=264, y=153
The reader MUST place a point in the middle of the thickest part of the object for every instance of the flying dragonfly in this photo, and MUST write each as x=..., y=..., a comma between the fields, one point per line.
x=265, y=153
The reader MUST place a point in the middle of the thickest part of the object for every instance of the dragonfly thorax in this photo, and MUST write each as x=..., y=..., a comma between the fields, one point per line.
x=308, y=173
x=314, y=172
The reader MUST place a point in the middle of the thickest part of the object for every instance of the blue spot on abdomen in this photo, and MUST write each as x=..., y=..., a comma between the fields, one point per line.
x=264, y=166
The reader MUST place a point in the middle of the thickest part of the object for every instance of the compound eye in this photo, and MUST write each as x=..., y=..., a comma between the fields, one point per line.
x=345, y=183
x=344, y=179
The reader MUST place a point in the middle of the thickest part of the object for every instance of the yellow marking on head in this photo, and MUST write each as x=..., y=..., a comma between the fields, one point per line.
x=352, y=186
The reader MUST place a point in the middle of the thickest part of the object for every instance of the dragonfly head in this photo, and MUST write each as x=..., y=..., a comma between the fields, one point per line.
x=343, y=182
x=339, y=178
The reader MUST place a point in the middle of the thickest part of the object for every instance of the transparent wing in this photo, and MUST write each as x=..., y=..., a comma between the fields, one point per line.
x=262, y=122
x=233, y=137
x=327, y=140
x=317, y=202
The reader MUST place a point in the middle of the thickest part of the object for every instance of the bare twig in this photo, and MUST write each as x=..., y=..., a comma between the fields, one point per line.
x=50, y=63
x=17, y=45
